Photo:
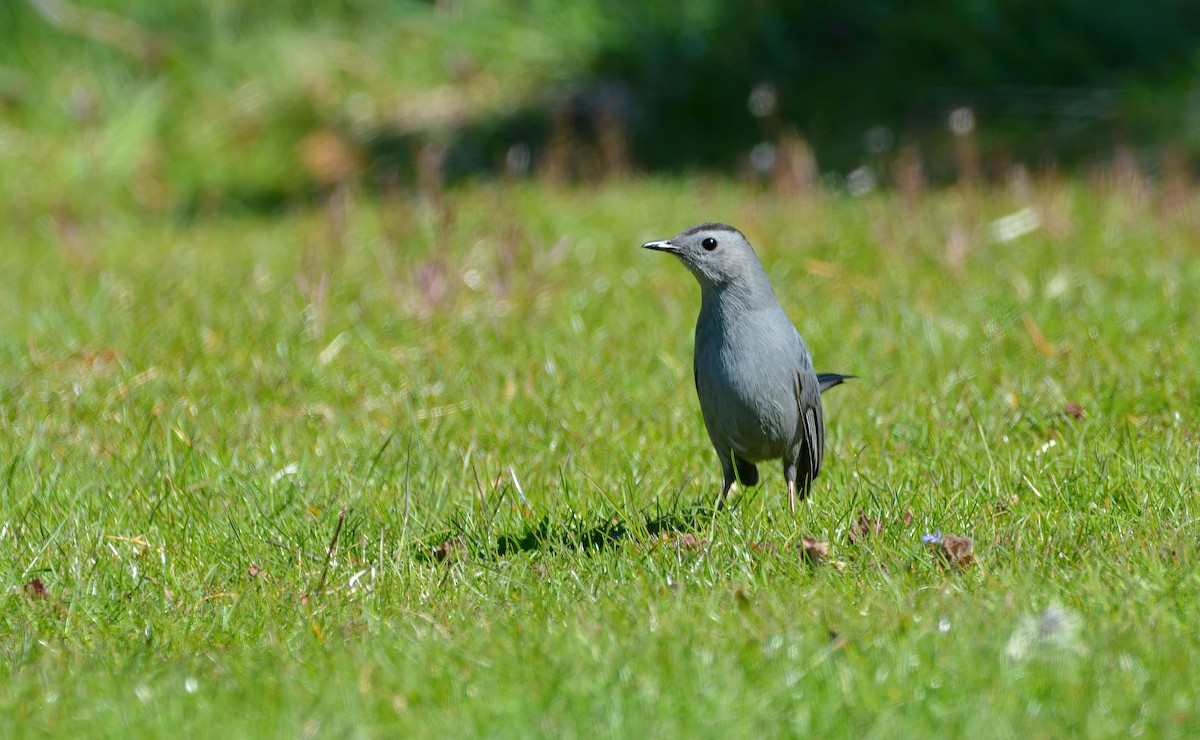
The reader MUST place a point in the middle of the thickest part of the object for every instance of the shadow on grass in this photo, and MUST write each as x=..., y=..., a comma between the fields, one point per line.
x=546, y=534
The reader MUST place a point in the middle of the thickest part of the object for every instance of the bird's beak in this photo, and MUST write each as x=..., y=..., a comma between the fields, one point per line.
x=662, y=246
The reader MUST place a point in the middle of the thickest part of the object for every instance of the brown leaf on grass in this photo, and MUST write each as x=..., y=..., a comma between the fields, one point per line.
x=959, y=552
x=864, y=527
x=813, y=551
x=1040, y=343
x=450, y=549
x=329, y=157
x=253, y=570
x=97, y=358
x=958, y=246
x=74, y=244
x=1073, y=410
x=35, y=589
x=682, y=541
x=432, y=280
x=907, y=517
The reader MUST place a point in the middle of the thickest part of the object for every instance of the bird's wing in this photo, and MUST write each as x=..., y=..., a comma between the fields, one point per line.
x=812, y=428
x=811, y=418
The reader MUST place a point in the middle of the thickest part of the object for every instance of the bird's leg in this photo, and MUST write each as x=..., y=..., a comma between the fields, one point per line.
x=730, y=486
x=792, y=496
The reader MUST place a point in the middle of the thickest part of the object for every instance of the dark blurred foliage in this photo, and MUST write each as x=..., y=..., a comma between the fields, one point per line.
x=656, y=86
x=1052, y=79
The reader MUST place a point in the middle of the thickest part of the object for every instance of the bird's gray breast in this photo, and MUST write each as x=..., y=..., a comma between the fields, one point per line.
x=746, y=381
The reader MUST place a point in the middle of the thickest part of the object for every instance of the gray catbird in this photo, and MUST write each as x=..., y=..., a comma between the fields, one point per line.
x=758, y=393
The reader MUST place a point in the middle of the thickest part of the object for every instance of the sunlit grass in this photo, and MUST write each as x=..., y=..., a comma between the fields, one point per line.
x=187, y=408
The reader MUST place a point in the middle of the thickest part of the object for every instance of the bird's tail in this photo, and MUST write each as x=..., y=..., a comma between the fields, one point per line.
x=828, y=380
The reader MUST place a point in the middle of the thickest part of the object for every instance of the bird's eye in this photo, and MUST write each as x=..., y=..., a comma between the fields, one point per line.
x=709, y=243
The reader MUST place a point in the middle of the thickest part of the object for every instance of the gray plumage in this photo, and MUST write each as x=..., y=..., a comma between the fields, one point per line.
x=759, y=395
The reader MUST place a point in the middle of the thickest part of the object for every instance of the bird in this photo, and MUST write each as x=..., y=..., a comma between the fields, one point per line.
x=759, y=395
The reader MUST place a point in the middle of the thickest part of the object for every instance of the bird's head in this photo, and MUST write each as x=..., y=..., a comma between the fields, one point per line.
x=718, y=255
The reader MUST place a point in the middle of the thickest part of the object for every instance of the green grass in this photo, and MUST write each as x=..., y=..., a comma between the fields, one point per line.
x=221, y=113
x=184, y=414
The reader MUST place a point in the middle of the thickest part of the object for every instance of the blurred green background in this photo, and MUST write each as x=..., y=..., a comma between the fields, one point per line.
x=184, y=106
